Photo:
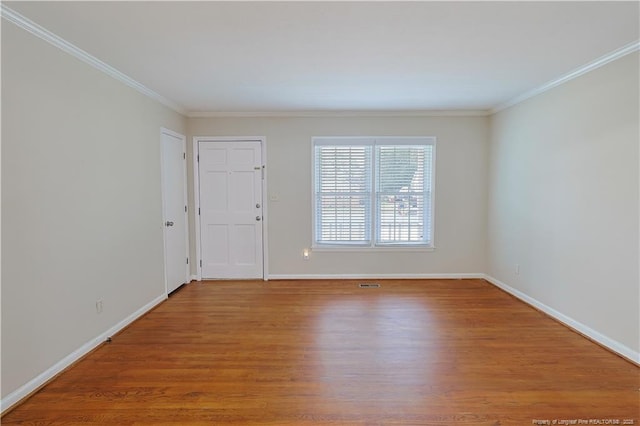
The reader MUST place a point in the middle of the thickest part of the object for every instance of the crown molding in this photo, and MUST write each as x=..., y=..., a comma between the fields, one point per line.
x=46, y=35
x=339, y=113
x=603, y=60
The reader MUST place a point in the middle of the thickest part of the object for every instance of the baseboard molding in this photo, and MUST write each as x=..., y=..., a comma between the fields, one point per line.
x=373, y=276
x=193, y=278
x=33, y=385
x=613, y=345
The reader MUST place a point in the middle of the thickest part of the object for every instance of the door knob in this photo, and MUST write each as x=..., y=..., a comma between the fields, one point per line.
x=258, y=218
x=169, y=223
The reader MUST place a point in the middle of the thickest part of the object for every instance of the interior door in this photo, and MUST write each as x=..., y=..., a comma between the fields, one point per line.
x=174, y=208
x=230, y=184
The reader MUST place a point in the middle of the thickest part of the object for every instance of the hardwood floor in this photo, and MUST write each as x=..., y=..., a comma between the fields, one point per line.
x=413, y=352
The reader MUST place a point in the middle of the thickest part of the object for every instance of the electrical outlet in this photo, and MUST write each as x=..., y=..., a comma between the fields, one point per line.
x=305, y=254
x=99, y=306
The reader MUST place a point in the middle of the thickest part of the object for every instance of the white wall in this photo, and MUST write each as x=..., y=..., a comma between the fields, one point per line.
x=81, y=204
x=563, y=201
x=460, y=200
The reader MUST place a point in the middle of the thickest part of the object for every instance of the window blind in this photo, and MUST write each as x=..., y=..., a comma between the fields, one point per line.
x=402, y=197
x=373, y=191
x=343, y=194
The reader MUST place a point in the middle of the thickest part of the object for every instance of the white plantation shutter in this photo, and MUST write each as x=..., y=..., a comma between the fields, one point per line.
x=373, y=191
x=343, y=194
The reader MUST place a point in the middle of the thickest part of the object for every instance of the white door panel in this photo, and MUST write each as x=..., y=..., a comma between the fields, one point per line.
x=173, y=208
x=230, y=183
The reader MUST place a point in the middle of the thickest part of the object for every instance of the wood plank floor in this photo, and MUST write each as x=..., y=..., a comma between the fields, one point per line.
x=413, y=352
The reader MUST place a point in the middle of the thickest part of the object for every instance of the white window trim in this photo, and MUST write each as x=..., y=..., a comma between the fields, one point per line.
x=372, y=141
x=380, y=248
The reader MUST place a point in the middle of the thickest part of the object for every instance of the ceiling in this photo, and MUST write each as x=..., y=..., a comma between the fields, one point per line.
x=213, y=57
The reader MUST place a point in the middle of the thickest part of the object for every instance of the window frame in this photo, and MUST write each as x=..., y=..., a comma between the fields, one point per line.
x=374, y=244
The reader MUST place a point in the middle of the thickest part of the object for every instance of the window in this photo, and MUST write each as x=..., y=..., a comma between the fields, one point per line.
x=373, y=192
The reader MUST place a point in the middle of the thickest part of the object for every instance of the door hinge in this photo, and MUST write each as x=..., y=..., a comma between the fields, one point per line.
x=185, y=209
x=201, y=263
x=187, y=260
x=184, y=155
x=198, y=211
x=198, y=158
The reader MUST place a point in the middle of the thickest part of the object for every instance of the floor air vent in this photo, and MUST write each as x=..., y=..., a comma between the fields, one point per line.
x=369, y=285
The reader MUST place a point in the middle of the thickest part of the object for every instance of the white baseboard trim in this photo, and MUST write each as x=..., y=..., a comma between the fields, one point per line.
x=193, y=278
x=617, y=347
x=373, y=276
x=25, y=390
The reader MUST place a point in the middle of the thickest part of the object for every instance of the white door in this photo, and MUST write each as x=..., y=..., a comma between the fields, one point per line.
x=174, y=209
x=230, y=185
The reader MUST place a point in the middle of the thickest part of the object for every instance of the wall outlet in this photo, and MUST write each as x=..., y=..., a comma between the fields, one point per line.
x=99, y=306
x=305, y=254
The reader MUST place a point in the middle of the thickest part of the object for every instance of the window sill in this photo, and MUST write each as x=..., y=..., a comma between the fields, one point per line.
x=362, y=249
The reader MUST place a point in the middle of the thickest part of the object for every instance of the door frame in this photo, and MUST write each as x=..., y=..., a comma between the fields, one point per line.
x=165, y=131
x=196, y=196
